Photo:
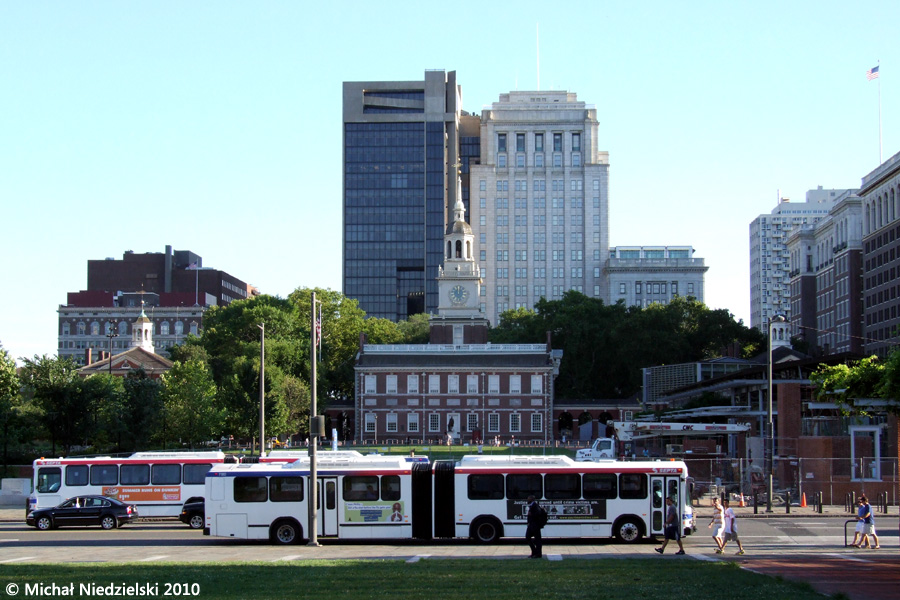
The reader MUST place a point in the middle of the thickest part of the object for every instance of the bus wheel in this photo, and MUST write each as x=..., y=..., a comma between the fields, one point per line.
x=486, y=530
x=285, y=532
x=628, y=530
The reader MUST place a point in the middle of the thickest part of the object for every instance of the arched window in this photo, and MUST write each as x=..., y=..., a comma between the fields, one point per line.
x=164, y=328
x=95, y=328
x=469, y=250
x=81, y=329
x=194, y=328
x=179, y=328
x=65, y=329
x=107, y=328
x=449, y=249
x=459, y=249
x=123, y=327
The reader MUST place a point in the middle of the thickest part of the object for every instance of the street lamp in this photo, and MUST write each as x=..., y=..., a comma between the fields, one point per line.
x=770, y=426
x=111, y=333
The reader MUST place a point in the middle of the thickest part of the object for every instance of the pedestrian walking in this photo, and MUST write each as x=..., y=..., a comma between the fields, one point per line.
x=672, y=529
x=860, y=512
x=718, y=525
x=731, y=532
x=868, y=528
x=536, y=519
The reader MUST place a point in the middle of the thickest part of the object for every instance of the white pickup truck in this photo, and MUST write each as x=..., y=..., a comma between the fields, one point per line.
x=601, y=449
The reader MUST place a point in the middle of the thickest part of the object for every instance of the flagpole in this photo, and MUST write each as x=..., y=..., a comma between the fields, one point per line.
x=879, y=114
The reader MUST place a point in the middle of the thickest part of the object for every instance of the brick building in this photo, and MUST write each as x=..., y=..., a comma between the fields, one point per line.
x=459, y=387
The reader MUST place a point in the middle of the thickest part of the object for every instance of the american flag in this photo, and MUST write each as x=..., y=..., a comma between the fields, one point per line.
x=872, y=73
x=319, y=330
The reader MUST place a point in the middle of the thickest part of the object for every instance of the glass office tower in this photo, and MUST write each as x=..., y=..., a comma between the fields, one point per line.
x=401, y=148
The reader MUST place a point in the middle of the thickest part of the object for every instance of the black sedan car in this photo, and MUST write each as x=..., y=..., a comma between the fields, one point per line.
x=108, y=513
x=192, y=513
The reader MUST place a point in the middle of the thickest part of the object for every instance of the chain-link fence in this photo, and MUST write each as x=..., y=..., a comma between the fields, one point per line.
x=834, y=478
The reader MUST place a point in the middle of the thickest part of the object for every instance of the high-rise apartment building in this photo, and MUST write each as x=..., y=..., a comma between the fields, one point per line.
x=880, y=193
x=769, y=257
x=642, y=275
x=401, y=142
x=539, y=201
x=825, y=279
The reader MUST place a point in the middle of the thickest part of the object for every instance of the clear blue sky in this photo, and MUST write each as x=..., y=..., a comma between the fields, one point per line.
x=216, y=126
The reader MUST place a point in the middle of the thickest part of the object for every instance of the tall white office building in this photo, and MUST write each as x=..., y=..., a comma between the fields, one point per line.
x=540, y=201
x=770, y=291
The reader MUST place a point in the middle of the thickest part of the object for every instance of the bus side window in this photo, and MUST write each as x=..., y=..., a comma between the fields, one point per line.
x=361, y=487
x=485, y=487
x=165, y=474
x=196, y=473
x=520, y=486
x=76, y=475
x=598, y=486
x=49, y=480
x=632, y=486
x=104, y=474
x=390, y=487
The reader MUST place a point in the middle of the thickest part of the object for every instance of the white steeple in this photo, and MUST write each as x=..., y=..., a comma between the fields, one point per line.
x=142, y=332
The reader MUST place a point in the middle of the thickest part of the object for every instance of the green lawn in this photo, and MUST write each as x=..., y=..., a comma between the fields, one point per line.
x=609, y=579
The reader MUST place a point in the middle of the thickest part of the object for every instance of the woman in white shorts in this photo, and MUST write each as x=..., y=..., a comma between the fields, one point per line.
x=718, y=525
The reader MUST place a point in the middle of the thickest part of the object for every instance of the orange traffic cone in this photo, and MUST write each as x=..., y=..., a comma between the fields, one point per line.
x=803, y=500
x=742, y=501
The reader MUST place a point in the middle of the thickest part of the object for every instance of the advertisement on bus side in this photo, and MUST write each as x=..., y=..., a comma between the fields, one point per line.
x=559, y=510
x=144, y=493
x=375, y=512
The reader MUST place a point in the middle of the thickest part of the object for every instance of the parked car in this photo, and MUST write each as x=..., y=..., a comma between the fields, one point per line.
x=108, y=513
x=193, y=514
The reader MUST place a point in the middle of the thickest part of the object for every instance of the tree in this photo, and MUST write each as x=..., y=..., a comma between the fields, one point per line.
x=189, y=400
x=141, y=408
x=606, y=346
x=102, y=395
x=9, y=401
x=53, y=385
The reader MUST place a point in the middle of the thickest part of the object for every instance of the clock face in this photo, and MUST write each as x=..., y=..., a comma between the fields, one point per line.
x=458, y=294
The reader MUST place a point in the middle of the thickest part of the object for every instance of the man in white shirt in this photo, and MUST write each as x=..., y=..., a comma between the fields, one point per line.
x=731, y=532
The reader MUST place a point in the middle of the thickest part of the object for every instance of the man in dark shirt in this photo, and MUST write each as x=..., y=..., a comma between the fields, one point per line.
x=673, y=527
x=533, y=530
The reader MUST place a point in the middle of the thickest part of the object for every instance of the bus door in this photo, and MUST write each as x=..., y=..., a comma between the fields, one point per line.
x=662, y=487
x=327, y=510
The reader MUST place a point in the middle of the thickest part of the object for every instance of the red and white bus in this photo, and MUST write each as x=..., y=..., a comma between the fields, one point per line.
x=478, y=497
x=158, y=483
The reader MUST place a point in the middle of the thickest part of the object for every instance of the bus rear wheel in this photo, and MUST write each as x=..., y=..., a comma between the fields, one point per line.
x=486, y=530
x=285, y=531
x=628, y=530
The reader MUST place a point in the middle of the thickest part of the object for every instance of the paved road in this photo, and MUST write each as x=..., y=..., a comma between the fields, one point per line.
x=802, y=546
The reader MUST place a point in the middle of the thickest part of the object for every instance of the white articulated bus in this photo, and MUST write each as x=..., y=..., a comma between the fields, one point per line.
x=158, y=483
x=479, y=497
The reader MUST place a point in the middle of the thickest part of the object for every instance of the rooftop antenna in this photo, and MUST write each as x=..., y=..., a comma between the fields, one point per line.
x=537, y=27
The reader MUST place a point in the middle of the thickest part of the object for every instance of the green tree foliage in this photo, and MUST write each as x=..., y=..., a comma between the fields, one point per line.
x=416, y=329
x=141, y=409
x=102, y=395
x=10, y=415
x=845, y=384
x=52, y=384
x=605, y=346
x=190, y=412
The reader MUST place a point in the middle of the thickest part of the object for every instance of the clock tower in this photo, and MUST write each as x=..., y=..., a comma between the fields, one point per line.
x=459, y=285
